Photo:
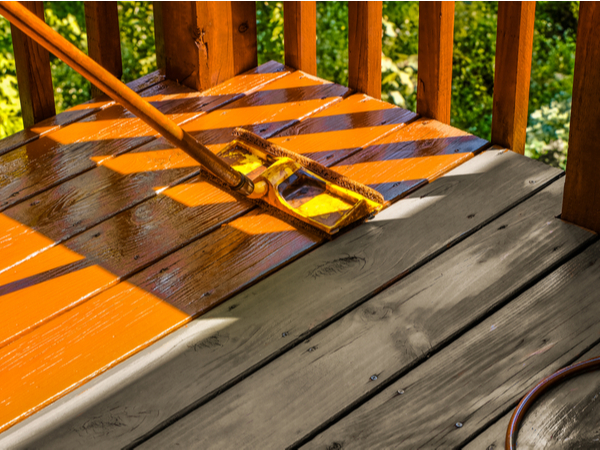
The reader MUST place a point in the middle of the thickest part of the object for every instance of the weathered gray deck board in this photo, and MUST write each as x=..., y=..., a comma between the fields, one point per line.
x=394, y=331
x=482, y=374
x=493, y=437
x=233, y=340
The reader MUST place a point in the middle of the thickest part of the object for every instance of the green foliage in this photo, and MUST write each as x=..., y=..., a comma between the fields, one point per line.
x=548, y=133
x=332, y=41
x=473, y=67
x=10, y=109
x=269, y=31
x=399, y=60
x=68, y=19
x=136, y=22
x=473, y=61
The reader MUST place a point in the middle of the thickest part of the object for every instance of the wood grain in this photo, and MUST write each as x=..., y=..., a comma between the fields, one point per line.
x=436, y=39
x=252, y=323
x=514, y=46
x=245, y=50
x=392, y=332
x=487, y=370
x=103, y=38
x=33, y=73
x=364, y=47
x=198, y=43
x=493, y=437
x=73, y=114
x=582, y=191
x=300, y=35
x=114, y=185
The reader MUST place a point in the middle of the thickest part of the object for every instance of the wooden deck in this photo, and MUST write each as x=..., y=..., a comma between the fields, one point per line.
x=224, y=327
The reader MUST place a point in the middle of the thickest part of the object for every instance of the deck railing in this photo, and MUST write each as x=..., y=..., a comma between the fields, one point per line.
x=201, y=44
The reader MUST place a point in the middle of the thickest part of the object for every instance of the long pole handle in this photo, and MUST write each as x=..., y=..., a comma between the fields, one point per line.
x=40, y=32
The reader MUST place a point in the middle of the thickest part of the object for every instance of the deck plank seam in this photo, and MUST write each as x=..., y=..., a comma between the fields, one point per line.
x=307, y=335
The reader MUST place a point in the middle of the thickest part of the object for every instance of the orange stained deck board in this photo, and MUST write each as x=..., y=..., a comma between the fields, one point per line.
x=65, y=153
x=411, y=156
x=73, y=114
x=342, y=129
x=114, y=185
x=125, y=320
x=250, y=245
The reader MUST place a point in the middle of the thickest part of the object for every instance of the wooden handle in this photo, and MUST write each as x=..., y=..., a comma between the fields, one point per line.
x=36, y=29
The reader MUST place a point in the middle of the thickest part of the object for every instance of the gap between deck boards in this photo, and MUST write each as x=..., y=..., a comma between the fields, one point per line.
x=518, y=169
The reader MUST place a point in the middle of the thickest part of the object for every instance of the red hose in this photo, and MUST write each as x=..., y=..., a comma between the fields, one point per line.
x=543, y=386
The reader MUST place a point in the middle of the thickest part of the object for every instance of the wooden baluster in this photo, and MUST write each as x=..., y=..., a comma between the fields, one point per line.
x=245, y=55
x=436, y=38
x=300, y=35
x=159, y=35
x=364, y=47
x=581, y=201
x=33, y=74
x=514, y=46
x=207, y=43
x=104, y=40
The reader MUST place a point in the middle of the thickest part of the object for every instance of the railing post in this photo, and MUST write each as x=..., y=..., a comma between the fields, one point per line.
x=514, y=47
x=33, y=73
x=159, y=35
x=245, y=55
x=364, y=47
x=104, y=40
x=300, y=35
x=581, y=201
x=207, y=43
x=436, y=38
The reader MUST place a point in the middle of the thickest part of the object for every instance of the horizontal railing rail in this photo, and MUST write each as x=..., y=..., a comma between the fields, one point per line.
x=201, y=44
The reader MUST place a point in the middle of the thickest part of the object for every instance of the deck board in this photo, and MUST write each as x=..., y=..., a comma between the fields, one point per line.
x=480, y=375
x=63, y=154
x=253, y=323
x=73, y=114
x=389, y=334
